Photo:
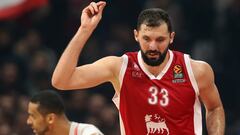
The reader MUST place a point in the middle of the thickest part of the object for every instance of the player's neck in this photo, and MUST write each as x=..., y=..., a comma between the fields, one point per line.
x=62, y=126
x=156, y=70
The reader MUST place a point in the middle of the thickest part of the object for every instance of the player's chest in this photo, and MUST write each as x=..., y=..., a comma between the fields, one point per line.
x=152, y=92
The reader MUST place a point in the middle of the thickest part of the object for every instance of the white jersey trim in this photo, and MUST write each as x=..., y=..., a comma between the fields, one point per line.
x=122, y=129
x=197, y=104
x=72, y=127
x=197, y=117
x=123, y=69
x=162, y=73
x=84, y=129
x=116, y=101
x=116, y=97
x=190, y=74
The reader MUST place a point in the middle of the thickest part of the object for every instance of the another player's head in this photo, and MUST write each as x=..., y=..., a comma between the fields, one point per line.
x=43, y=109
x=154, y=33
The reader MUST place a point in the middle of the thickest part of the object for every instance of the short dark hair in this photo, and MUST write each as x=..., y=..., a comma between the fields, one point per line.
x=153, y=17
x=49, y=102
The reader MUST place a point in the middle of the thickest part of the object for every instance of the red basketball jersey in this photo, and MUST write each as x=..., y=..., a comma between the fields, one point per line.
x=164, y=105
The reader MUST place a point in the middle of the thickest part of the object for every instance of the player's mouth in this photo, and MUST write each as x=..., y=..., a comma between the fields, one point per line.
x=153, y=55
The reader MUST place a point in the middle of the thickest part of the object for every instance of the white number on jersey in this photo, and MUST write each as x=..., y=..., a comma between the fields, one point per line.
x=153, y=100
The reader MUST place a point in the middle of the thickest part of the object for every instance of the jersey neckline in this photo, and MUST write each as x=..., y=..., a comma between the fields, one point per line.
x=150, y=75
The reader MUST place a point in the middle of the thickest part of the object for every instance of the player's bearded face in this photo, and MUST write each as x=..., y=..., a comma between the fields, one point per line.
x=154, y=57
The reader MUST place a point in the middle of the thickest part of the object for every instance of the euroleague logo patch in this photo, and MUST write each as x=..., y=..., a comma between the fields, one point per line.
x=177, y=69
x=178, y=74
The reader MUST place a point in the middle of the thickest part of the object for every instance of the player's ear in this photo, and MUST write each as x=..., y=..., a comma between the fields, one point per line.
x=172, y=35
x=51, y=118
x=135, y=34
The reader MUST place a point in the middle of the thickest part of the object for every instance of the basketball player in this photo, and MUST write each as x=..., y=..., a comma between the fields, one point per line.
x=47, y=117
x=158, y=91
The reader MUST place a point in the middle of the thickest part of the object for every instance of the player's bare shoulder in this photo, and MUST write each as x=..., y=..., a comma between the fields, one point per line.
x=202, y=71
x=114, y=62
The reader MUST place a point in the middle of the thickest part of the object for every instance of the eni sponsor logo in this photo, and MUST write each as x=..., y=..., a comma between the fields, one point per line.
x=178, y=76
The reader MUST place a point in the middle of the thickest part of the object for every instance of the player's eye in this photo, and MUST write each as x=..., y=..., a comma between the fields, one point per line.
x=146, y=39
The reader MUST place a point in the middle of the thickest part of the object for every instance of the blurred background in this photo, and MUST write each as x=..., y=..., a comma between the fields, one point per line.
x=34, y=33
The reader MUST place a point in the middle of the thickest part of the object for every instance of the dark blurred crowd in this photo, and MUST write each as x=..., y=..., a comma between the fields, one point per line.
x=30, y=46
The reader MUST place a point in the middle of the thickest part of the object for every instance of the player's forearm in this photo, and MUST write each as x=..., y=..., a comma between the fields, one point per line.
x=69, y=59
x=216, y=121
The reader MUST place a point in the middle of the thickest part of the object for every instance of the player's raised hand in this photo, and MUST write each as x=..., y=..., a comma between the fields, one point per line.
x=92, y=14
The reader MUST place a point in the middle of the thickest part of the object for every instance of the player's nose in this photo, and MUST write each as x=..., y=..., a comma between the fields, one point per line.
x=153, y=45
